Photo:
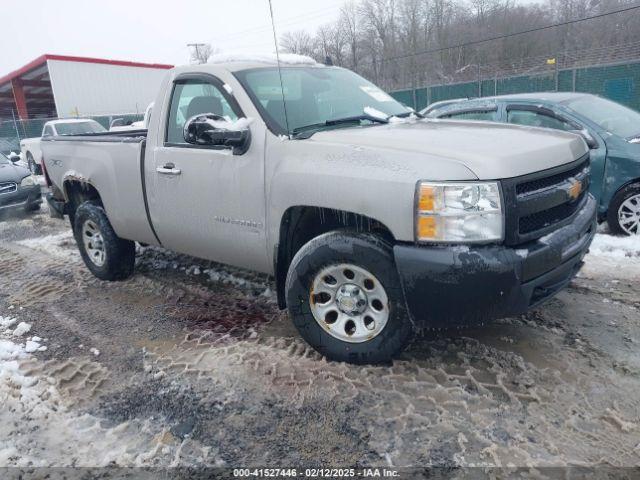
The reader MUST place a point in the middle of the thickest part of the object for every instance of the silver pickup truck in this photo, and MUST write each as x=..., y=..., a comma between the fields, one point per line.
x=375, y=223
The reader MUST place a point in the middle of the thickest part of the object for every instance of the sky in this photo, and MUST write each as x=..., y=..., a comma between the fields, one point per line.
x=155, y=31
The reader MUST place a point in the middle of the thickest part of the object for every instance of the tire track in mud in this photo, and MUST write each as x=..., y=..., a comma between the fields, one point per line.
x=449, y=401
x=492, y=398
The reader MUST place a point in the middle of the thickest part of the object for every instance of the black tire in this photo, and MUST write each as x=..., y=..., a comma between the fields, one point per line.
x=33, y=166
x=612, y=212
x=363, y=250
x=119, y=253
x=34, y=207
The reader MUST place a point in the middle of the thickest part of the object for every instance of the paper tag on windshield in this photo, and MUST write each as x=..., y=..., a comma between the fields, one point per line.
x=376, y=93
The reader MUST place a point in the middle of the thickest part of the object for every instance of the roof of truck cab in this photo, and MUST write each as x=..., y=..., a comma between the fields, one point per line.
x=237, y=62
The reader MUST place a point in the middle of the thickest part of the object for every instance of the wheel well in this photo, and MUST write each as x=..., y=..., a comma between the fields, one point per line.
x=76, y=192
x=621, y=187
x=300, y=224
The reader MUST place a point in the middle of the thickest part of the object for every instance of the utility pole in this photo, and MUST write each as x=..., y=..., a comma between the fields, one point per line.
x=197, y=47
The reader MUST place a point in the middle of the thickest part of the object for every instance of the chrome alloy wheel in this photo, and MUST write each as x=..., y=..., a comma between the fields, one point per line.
x=349, y=303
x=629, y=215
x=93, y=243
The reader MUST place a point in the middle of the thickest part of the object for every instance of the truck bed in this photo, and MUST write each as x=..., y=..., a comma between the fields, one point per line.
x=124, y=136
x=114, y=164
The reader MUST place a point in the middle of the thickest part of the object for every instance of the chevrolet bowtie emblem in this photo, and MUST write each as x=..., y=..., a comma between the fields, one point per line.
x=575, y=189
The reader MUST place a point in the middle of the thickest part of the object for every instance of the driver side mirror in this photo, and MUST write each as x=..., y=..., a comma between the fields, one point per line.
x=591, y=142
x=208, y=129
x=14, y=157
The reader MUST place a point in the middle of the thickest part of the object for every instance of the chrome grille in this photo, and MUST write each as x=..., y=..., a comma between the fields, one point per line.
x=8, y=187
x=539, y=203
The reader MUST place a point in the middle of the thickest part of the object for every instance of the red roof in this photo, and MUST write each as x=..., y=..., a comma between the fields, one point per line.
x=38, y=62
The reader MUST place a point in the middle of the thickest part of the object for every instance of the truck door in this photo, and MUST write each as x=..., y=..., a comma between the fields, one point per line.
x=204, y=200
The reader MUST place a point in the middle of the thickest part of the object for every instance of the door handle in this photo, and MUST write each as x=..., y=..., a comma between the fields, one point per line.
x=169, y=169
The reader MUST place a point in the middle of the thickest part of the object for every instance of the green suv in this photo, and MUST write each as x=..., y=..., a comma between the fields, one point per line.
x=611, y=130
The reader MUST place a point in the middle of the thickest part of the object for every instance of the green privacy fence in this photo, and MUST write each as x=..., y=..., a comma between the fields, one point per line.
x=617, y=82
x=12, y=131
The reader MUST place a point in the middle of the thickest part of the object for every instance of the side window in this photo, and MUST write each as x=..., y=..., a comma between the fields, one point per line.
x=477, y=115
x=48, y=131
x=194, y=97
x=536, y=119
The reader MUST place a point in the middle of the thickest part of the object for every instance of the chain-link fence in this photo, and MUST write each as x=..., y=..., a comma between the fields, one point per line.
x=14, y=130
x=612, y=72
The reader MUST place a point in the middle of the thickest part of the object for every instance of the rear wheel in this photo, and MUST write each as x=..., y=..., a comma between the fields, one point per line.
x=104, y=253
x=623, y=215
x=345, y=298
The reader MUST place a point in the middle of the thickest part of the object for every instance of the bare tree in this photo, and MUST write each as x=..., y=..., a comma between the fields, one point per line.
x=408, y=43
x=298, y=41
x=201, y=52
x=349, y=25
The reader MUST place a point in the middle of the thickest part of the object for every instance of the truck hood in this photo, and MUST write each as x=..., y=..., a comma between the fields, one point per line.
x=490, y=150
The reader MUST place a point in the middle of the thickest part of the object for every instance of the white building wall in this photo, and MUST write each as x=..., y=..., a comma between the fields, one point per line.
x=83, y=89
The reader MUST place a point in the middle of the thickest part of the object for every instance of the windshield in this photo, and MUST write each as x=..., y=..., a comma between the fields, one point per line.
x=611, y=116
x=78, y=128
x=4, y=160
x=314, y=96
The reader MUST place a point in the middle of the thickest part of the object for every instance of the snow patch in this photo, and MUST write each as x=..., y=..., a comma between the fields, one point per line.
x=6, y=322
x=21, y=329
x=616, y=247
x=9, y=351
x=31, y=346
x=285, y=58
x=56, y=245
x=237, y=126
x=375, y=113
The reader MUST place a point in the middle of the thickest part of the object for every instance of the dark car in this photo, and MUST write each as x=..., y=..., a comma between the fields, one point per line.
x=18, y=188
x=611, y=130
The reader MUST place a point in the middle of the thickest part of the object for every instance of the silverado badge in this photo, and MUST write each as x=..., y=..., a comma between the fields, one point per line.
x=575, y=189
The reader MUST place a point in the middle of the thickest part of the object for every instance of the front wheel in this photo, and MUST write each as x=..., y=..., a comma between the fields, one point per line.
x=623, y=215
x=104, y=253
x=345, y=299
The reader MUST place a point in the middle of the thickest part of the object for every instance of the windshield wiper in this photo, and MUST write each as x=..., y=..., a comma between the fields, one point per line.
x=356, y=118
x=338, y=121
x=408, y=114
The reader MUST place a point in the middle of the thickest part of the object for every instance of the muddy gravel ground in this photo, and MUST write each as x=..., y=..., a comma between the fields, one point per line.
x=190, y=363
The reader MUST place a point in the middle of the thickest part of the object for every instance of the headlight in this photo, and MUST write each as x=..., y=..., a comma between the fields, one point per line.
x=459, y=212
x=28, y=181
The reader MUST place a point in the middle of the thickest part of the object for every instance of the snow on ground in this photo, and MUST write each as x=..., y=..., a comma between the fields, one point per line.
x=614, y=256
x=57, y=245
x=616, y=247
x=56, y=433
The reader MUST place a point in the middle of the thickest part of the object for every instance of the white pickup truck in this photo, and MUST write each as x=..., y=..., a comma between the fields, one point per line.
x=31, y=149
x=373, y=222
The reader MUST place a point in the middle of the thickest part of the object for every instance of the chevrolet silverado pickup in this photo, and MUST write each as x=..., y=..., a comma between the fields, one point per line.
x=374, y=222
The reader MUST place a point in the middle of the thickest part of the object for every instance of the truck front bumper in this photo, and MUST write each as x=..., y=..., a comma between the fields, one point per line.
x=23, y=197
x=452, y=286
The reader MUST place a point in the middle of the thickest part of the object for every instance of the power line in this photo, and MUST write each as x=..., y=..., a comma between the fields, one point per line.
x=310, y=15
x=508, y=35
